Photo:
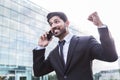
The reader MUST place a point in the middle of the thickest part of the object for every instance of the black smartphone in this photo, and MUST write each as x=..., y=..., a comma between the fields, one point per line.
x=49, y=35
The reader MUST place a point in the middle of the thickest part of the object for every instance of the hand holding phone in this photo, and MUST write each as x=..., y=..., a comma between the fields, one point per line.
x=49, y=35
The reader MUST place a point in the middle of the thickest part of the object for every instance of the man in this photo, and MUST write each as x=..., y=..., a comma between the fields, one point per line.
x=78, y=52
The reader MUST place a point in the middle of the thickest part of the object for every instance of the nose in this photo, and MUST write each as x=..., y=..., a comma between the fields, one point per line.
x=53, y=26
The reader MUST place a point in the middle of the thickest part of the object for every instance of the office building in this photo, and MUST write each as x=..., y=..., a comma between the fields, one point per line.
x=108, y=75
x=21, y=24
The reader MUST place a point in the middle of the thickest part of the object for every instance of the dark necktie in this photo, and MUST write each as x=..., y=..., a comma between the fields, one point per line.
x=61, y=44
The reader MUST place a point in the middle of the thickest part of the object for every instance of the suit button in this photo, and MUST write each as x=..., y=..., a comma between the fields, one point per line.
x=65, y=77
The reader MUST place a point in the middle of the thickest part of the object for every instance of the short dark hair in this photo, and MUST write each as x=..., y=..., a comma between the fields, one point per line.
x=59, y=14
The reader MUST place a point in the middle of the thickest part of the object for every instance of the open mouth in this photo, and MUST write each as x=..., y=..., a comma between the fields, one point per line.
x=56, y=31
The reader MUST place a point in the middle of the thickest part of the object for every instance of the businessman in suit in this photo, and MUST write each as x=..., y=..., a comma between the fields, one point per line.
x=74, y=62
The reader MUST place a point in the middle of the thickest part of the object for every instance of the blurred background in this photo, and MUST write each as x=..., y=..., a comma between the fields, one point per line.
x=23, y=21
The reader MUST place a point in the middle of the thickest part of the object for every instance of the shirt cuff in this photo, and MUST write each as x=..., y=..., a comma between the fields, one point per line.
x=39, y=48
x=103, y=26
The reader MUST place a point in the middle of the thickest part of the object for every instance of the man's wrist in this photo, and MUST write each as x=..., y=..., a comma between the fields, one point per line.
x=39, y=48
x=103, y=26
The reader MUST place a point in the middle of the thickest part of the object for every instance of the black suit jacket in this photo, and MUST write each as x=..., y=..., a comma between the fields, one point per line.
x=82, y=51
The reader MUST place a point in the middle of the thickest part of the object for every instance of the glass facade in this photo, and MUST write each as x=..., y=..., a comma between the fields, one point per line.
x=21, y=24
x=113, y=74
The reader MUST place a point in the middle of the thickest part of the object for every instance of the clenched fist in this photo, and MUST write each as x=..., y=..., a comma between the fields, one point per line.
x=95, y=19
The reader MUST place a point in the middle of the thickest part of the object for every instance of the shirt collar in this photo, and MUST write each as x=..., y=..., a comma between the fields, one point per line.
x=68, y=37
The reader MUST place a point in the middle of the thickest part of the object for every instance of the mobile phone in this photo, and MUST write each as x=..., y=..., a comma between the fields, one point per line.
x=49, y=35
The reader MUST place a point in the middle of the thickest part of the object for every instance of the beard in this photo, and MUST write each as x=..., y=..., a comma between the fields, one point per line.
x=59, y=33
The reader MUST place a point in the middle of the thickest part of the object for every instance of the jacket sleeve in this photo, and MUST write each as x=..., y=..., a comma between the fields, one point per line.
x=106, y=49
x=40, y=65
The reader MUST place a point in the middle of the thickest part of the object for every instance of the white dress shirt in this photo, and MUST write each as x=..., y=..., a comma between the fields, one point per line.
x=66, y=46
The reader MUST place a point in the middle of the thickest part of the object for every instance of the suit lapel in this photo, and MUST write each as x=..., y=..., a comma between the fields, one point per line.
x=72, y=46
x=57, y=58
x=69, y=63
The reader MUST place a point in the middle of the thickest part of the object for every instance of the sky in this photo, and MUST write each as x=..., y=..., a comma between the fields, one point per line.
x=78, y=12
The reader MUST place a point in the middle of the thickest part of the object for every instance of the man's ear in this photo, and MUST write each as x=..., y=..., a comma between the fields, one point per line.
x=67, y=23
